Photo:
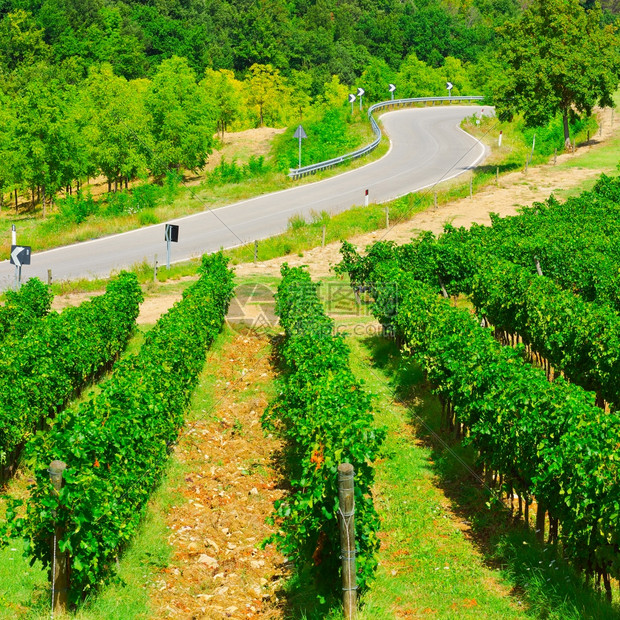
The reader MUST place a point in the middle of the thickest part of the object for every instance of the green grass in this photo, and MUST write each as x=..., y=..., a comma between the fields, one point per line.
x=24, y=591
x=427, y=564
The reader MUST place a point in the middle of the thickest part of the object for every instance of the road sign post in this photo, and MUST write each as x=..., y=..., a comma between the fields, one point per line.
x=360, y=94
x=300, y=134
x=20, y=255
x=351, y=100
x=449, y=86
x=171, y=235
x=392, y=88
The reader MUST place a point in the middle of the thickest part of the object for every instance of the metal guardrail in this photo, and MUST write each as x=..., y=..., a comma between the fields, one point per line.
x=296, y=173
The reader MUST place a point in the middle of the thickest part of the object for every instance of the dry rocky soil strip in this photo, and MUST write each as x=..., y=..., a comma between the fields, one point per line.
x=219, y=569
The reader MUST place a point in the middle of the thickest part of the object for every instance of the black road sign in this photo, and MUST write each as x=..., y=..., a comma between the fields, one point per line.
x=360, y=92
x=392, y=88
x=172, y=233
x=20, y=255
x=351, y=98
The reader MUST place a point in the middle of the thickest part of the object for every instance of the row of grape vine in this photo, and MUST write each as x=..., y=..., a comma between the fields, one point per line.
x=325, y=417
x=547, y=440
x=45, y=367
x=116, y=443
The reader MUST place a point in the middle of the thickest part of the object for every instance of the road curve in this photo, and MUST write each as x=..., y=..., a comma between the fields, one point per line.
x=427, y=146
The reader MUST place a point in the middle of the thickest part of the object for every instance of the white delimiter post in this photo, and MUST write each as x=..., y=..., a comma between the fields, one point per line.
x=366, y=198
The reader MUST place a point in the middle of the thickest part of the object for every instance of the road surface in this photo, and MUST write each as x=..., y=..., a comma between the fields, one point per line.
x=427, y=146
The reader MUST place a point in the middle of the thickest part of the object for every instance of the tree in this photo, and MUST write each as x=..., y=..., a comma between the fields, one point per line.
x=556, y=59
x=455, y=72
x=115, y=40
x=334, y=94
x=266, y=91
x=417, y=79
x=181, y=121
x=21, y=42
x=46, y=140
x=376, y=79
x=7, y=152
x=117, y=124
x=300, y=83
x=224, y=94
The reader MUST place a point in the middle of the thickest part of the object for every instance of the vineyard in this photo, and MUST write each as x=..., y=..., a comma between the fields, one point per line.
x=528, y=381
x=468, y=378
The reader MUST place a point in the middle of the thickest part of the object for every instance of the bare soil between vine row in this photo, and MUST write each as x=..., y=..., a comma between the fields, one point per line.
x=219, y=569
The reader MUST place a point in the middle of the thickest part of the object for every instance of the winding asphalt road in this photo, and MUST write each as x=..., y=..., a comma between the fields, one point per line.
x=427, y=146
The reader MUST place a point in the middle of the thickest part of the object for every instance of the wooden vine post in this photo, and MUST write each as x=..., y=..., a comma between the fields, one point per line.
x=346, y=519
x=60, y=559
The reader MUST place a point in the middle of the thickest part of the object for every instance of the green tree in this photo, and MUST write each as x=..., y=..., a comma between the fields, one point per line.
x=417, y=79
x=300, y=83
x=224, y=94
x=115, y=40
x=182, y=122
x=376, y=79
x=46, y=140
x=457, y=73
x=334, y=94
x=21, y=42
x=556, y=59
x=7, y=150
x=117, y=124
x=267, y=92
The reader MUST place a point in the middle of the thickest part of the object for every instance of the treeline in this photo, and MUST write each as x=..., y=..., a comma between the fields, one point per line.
x=129, y=90
x=323, y=38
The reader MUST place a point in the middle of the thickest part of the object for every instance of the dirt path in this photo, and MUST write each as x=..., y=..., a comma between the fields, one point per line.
x=219, y=569
x=516, y=189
